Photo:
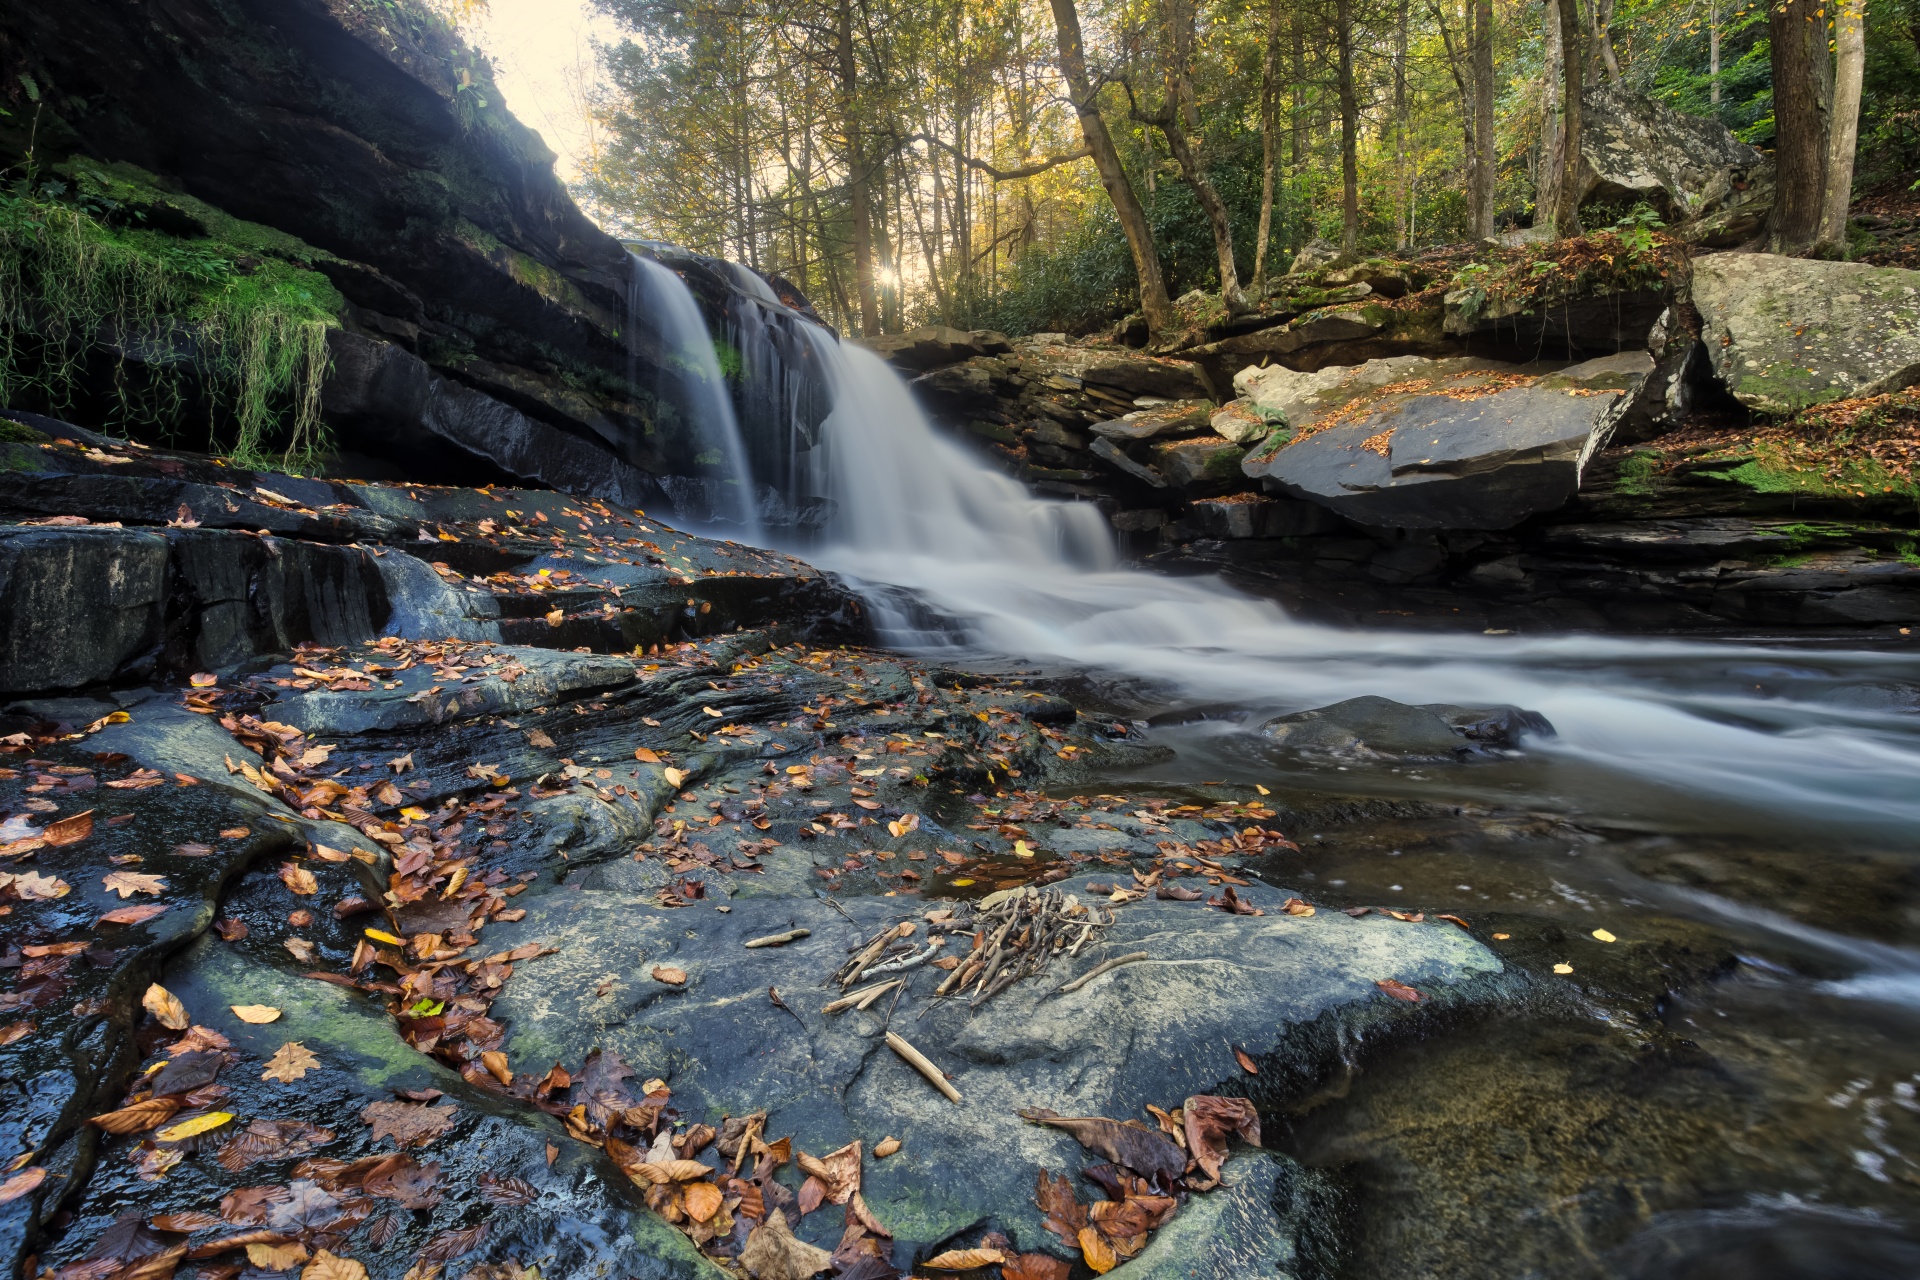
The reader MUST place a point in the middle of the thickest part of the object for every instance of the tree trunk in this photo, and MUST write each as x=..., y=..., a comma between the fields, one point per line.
x=1113, y=176
x=857, y=175
x=1553, y=137
x=1487, y=157
x=1349, y=132
x=1299, y=104
x=1800, y=143
x=1603, y=55
x=1269, y=143
x=1566, y=220
x=1713, y=52
x=1850, y=57
x=1400, y=232
x=1179, y=122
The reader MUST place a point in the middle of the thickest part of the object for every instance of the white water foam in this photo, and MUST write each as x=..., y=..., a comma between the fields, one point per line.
x=658, y=293
x=1016, y=575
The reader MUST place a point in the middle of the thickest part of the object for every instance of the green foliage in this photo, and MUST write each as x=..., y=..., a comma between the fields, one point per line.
x=166, y=314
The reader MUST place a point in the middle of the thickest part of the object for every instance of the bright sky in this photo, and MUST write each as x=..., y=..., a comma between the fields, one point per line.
x=543, y=57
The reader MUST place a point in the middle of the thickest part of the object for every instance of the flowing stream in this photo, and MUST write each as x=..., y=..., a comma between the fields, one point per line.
x=1742, y=816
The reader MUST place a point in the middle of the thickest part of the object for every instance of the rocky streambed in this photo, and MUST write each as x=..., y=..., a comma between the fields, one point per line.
x=410, y=881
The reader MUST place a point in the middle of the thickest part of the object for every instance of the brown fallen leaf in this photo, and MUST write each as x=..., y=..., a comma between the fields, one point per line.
x=189, y=1221
x=497, y=1190
x=325, y=1266
x=1247, y=1064
x=164, y=1006
x=203, y=680
x=259, y=1014
x=1451, y=919
x=669, y=974
x=235, y=833
x=885, y=1147
x=773, y=1253
x=1036, y=1266
x=702, y=1200
x=1172, y=892
x=409, y=1124
x=964, y=1259
x=134, y=915
x=128, y=883
x=1134, y=1145
x=69, y=830
x=1399, y=990
x=193, y=849
x=22, y=1183
x=496, y=1064
x=645, y=755
x=231, y=930
x=298, y=879
x=271, y=1140
x=289, y=1063
x=1208, y=1121
x=539, y=738
x=277, y=1257
x=141, y=1116
x=16, y=1031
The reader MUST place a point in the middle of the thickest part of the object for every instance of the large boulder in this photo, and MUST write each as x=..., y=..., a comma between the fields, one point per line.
x=1691, y=169
x=1373, y=728
x=1786, y=333
x=1299, y=400
x=1473, y=449
x=935, y=346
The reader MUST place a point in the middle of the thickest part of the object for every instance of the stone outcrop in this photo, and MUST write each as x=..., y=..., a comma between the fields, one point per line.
x=1715, y=188
x=1453, y=449
x=1785, y=333
x=1372, y=728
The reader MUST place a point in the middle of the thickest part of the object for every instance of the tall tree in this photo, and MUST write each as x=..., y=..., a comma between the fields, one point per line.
x=1797, y=46
x=1179, y=121
x=1850, y=60
x=1349, y=130
x=1154, y=303
x=1401, y=197
x=1270, y=142
x=858, y=172
x=1486, y=161
x=1566, y=218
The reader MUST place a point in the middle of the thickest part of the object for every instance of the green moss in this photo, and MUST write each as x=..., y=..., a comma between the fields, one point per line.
x=1223, y=464
x=1637, y=474
x=83, y=283
x=19, y=433
x=1765, y=472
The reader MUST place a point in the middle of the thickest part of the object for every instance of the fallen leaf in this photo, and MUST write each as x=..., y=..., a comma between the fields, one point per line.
x=1036, y=1266
x=645, y=755
x=1207, y=1121
x=193, y=849
x=271, y=1140
x=15, y=1031
x=838, y=1171
x=703, y=1200
x=188, y=1221
x=298, y=879
x=1247, y=1064
x=163, y=1005
x=1064, y=1213
x=555, y=618
x=203, y=680
x=197, y=1125
x=668, y=974
x=138, y=1118
x=34, y=887
x=885, y=1147
x=674, y=777
x=1455, y=920
x=1098, y=1253
x=964, y=1259
x=256, y=1013
x=773, y=1253
x=1134, y=1145
x=22, y=1183
x=1172, y=892
x=496, y=1064
x=289, y=1063
x=1604, y=936
x=235, y=833
x=325, y=1266
x=498, y=1190
x=128, y=883
x=1399, y=990
x=1563, y=969
x=409, y=1124
x=277, y=1257
x=69, y=830
x=134, y=915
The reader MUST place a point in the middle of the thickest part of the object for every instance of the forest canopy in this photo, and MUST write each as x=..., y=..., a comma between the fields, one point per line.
x=913, y=161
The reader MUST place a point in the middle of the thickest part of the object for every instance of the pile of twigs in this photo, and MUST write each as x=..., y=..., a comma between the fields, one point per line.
x=1017, y=937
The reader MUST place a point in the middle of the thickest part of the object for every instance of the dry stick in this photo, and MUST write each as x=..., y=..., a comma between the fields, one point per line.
x=854, y=998
x=1101, y=968
x=918, y=1061
x=879, y=991
x=779, y=939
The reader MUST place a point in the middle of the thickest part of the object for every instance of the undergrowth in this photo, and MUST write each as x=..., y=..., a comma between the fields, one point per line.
x=83, y=286
x=1634, y=253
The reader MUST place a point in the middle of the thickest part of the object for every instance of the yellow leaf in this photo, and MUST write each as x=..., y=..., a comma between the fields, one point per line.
x=1098, y=1253
x=1604, y=936
x=165, y=1006
x=966, y=1259
x=199, y=1124
x=715, y=714
x=380, y=935
x=961, y=884
x=674, y=777
x=417, y=814
x=555, y=618
x=885, y=1147
x=256, y=1013
x=1262, y=790
x=276, y=1257
x=289, y=1063
x=203, y=680
x=1563, y=968
x=1021, y=849
x=325, y=1266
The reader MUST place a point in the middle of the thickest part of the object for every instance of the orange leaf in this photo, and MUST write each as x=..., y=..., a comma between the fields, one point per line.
x=1399, y=990
x=69, y=830
x=964, y=1260
x=1098, y=1253
x=1247, y=1064
x=703, y=1200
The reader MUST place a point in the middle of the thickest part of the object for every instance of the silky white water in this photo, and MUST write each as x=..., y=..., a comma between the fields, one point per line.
x=1008, y=573
x=659, y=294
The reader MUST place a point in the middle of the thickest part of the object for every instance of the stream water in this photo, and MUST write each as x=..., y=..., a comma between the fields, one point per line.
x=1727, y=1090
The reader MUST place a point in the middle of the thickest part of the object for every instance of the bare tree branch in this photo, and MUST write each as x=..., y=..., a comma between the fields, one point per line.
x=998, y=175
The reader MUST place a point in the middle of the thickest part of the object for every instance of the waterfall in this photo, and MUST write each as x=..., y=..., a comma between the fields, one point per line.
x=659, y=294
x=951, y=553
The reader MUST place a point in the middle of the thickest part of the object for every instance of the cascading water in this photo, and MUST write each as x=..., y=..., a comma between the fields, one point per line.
x=657, y=293
x=951, y=553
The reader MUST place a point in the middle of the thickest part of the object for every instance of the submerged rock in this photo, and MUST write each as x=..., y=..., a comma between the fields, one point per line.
x=1372, y=727
x=1786, y=333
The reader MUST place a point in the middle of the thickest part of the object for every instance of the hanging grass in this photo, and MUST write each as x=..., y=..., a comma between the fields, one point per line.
x=169, y=316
